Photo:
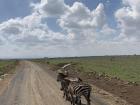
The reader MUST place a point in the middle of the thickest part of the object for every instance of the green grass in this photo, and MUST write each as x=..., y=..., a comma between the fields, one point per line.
x=125, y=67
x=6, y=66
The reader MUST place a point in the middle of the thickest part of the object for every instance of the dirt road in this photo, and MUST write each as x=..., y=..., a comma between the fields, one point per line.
x=32, y=85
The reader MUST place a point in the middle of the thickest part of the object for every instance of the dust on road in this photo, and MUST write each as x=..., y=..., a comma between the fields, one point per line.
x=33, y=86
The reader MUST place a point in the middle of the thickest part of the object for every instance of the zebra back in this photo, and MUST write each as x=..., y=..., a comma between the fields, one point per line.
x=80, y=89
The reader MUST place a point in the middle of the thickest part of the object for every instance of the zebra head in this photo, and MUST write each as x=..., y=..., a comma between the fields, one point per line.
x=61, y=77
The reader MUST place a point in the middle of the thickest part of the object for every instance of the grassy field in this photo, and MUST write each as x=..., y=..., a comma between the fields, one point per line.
x=125, y=67
x=7, y=66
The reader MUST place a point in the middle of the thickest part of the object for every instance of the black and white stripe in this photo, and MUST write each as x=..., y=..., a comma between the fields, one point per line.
x=76, y=90
x=65, y=81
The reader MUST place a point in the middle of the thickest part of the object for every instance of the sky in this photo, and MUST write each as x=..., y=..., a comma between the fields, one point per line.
x=64, y=28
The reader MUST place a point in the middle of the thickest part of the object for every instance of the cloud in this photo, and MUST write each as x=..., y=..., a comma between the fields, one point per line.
x=30, y=31
x=11, y=30
x=107, y=34
x=82, y=24
x=30, y=40
x=80, y=17
x=51, y=8
x=1, y=42
x=79, y=25
x=128, y=18
x=15, y=28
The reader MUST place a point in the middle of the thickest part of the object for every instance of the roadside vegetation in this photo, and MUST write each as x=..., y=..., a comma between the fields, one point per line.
x=124, y=67
x=7, y=66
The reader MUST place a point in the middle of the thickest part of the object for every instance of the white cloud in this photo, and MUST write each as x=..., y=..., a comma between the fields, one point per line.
x=1, y=42
x=79, y=26
x=15, y=28
x=107, y=34
x=82, y=24
x=129, y=20
x=30, y=31
x=51, y=8
x=80, y=17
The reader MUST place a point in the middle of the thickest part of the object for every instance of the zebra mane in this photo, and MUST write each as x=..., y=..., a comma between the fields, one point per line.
x=66, y=66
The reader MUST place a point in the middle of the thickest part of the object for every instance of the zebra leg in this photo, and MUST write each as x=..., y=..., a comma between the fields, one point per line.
x=67, y=96
x=63, y=94
x=78, y=100
x=61, y=88
x=72, y=100
x=88, y=98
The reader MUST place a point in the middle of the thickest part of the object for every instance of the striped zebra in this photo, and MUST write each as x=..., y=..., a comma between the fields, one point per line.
x=74, y=88
x=65, y=80
x=78, y=89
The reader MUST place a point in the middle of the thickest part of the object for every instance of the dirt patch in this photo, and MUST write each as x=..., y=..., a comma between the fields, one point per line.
x=4, y=82
x=5, y=79
x=126, y=90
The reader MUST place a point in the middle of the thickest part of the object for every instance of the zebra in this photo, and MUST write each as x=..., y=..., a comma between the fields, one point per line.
x=74, y=88
x=78, y=89
x=64, y=80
